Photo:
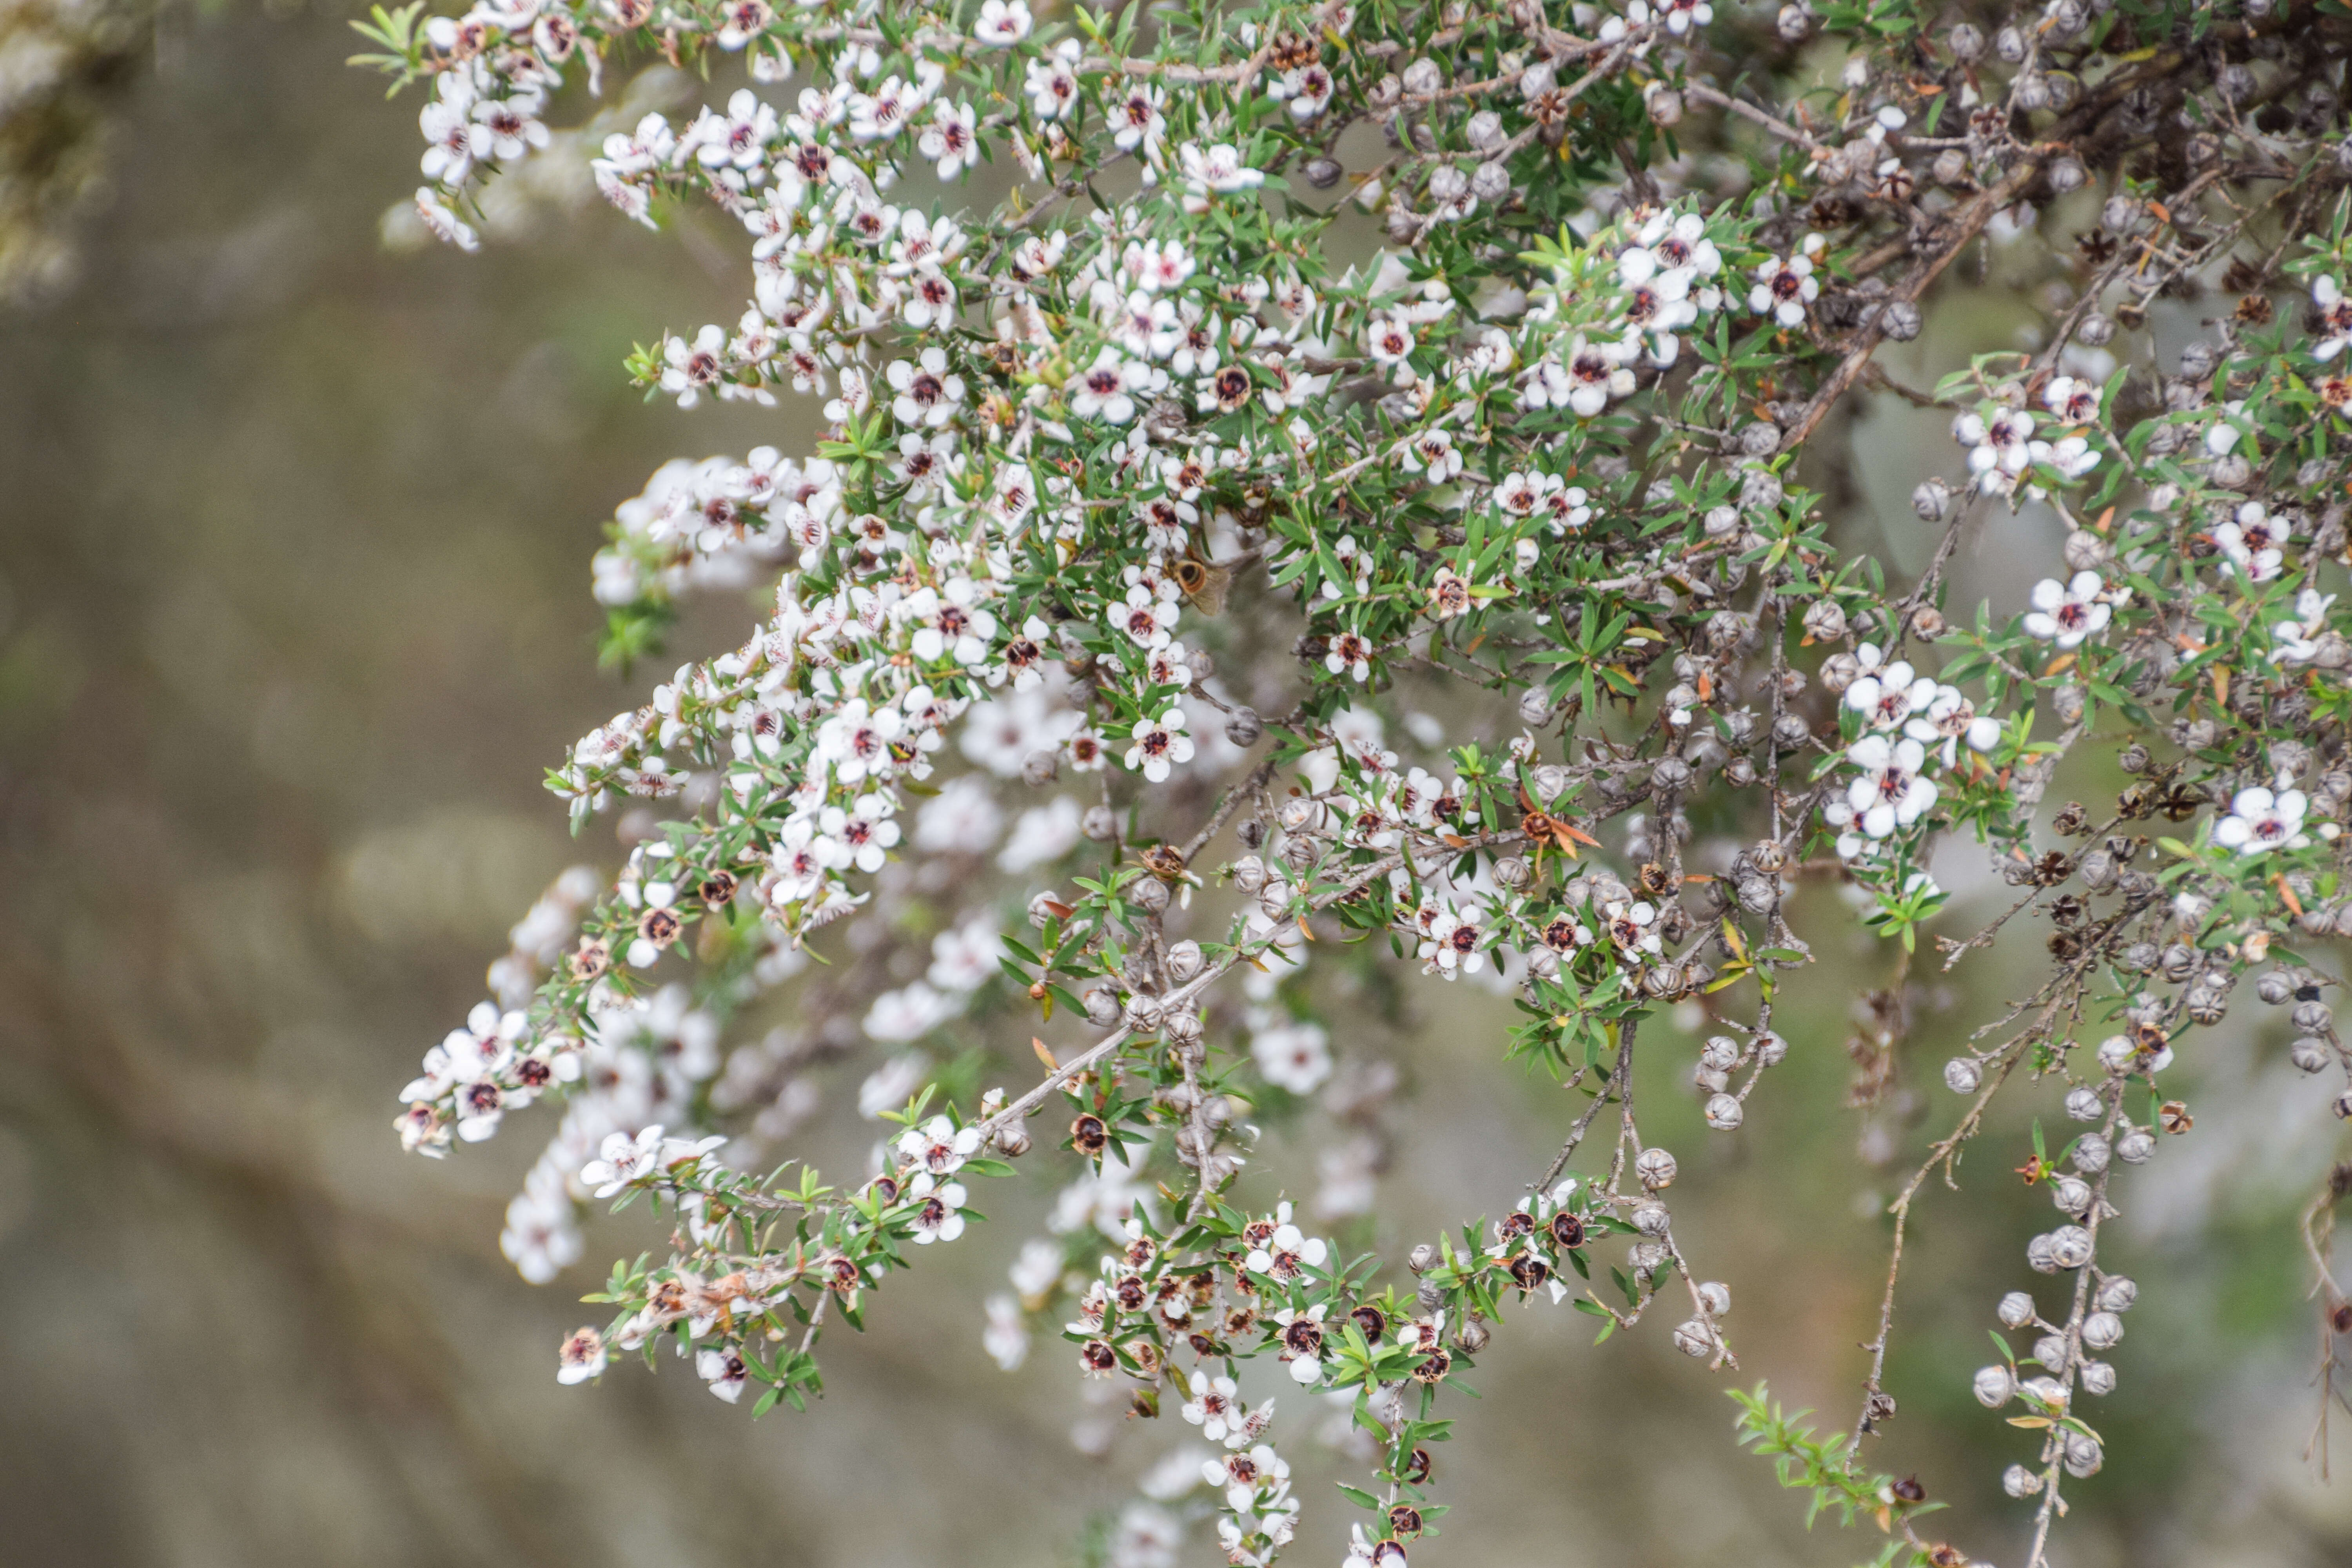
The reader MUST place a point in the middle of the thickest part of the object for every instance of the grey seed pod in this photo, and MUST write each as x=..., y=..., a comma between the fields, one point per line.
x=1244, y=727
x=2050, y=1350
x=2016, y=1310
x=1931, y=500
x=1323, y=173
x=2097, y=1377
x=2117, y=1293
x=1252, y=832
x=1040, y=767
x=2233, y=472
x=1429, y=1296
x=1041, y=908
x=1648, y=1257
x=2199, y=359
x=1962, y=1076
x=1551, y=781
x=1184, y=961
x=1655, y=1168
x=1511, y=872
x=1012, y=1140
x=1790, y=730
x=2071, y=1245
x=2010, y=45
x=2083, y=1104
x=1966, y=42
x=1422, y=1259
x=1473, y=1336
x=1535, y=707
x=2084, y=1455
x=2103, y=1330
x=1666, y=107
x=1696, y=1338
x=2343, y=1105
x=1725, y=1114
x=2039, y=1256
x=1839, y=671
x=1995, y=1386
x=1651, y=1218
x=1771, y=1050
x=1249, y=874
x=1710, y=1082
x=1760, y=438
x=1423, y=77
x=1447, y=184
x=1951, y=167
x=1793, y=24
x=2309, y=1053
x=1720, y=1054
x=2179, y=961
x=2313, y=1017
x=1900, y=320
x=2116, y=1053
x=2141, y=956
x=1484, y=131
x=1716, y=1297
x=1538, y=79
x=2275, y=986
x=1143, y=1013
x=2094, y=331
x=1300, y=851
x=2099, y=870
x=1148, y=894
x=2067, y=175
x=1543, y=963
x=2134, y=1146
x=2068, y=702
x=2071, y=1195
x=1182, y=1026
x=1670, y=773
x=2120, y=214
x=2340, y=922
x=2092, y=1152
x=1099, y=824
x=1825, y=620
x=2133, y=759
x=2020, y=1482
x=1102, y=1006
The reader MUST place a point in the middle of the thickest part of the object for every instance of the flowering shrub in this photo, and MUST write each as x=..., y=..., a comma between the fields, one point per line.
x=1139, y=495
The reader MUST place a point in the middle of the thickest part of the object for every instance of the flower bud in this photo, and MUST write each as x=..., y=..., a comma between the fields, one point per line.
x=1994, y=1386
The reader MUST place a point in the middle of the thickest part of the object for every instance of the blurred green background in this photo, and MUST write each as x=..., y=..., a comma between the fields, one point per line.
x=294, y=531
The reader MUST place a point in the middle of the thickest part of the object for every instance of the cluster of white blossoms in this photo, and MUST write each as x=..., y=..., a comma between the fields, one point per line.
x=1130, y=494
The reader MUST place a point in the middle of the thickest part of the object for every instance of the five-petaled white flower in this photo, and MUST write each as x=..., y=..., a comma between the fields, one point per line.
x=2261, y=820
x=2067, y=612
x=1785, y=285
x=1892, y=790
x=1159, y=744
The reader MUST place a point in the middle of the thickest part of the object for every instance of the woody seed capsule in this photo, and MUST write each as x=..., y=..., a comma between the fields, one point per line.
x=2134, y=1146
x=1994, y=1386
x=2016, y=1310
x=1655, y=1168
x=2097, y=1377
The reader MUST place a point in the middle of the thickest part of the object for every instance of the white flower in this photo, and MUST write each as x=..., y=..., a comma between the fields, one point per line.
x=950, y=140
x=1295, y=1056
x=1136, y=122
x=1214, y=1407
x=1452, y=945
x=1053, y=80
x=1892, y=790
x=1002, y=22
x=927, y=393
x=1888, y=698
x=1681, y=15
x=1006, y=1338
x=1288, y=1253
x=444, y=225
x=1433, y=453
x=1946, y=718
x=690, y=369
x=622, y=1160
x=2072, y=400
x=1595, y=372
x=1104, y=391
x=724, y=1370
x=939, y=1146
x=1157, y=744
x=2250, y=544
x=1216, y=168
x=2000, y=445
x=2067, y=612
x=2261, y=820
x=937, y=1219
x=2334, y=318
x=1786, y=285
x=2296, y=641
x=1629, y=926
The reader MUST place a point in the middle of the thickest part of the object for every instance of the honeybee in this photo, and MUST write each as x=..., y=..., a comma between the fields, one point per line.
x=1204, y=585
